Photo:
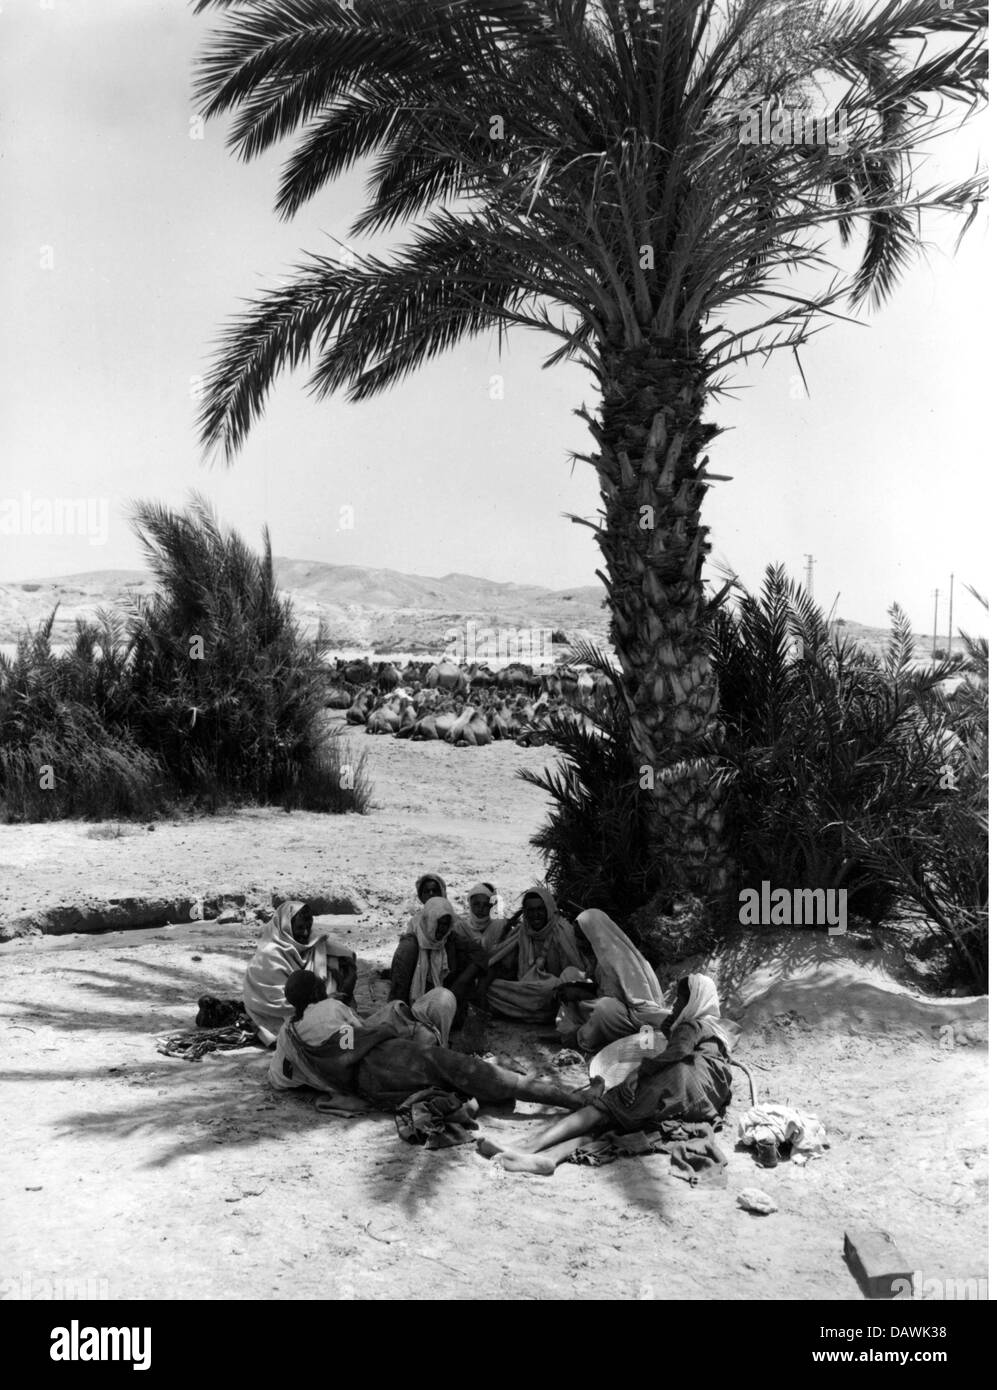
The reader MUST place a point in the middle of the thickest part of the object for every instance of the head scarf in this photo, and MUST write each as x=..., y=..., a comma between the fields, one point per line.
x=432, y=966
x=624, y=972
x=436, y=878
x=278, y=929
x=277, y=957
x=484, y=890
x=703, y=1007
x=534, y=943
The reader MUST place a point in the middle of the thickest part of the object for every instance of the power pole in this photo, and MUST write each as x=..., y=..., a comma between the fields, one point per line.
x=810, y=575
x=951, y=587
x=934, y=628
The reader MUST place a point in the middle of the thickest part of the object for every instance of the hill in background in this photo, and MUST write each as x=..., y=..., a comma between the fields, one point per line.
x=360, y=607
x=369, y=609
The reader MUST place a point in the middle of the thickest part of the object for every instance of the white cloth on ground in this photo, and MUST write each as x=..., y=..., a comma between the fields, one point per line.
x=786, y=1125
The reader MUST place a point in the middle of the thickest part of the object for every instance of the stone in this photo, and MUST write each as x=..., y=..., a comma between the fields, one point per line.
x=755, y=1200
x=875, y=1262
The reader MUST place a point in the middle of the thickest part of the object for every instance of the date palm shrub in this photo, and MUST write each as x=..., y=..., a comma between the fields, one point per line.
x=229, y=695
x=825, y=749
x=835, y=765
x=580, y=168
x=934, y=853
x=595, y=841
x=65, y=745
x=206, y=695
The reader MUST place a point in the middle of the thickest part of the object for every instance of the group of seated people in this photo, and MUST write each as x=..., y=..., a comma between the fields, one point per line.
x=586, y=977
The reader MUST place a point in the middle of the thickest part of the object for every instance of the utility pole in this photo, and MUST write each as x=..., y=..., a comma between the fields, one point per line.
x=951, y=587
x=810, y=575
x=934, y=628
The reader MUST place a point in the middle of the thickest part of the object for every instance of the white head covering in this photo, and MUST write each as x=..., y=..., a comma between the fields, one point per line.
x=482, y=890
x=703, y=1006
x=432, y=965
x=436, y=878
x=626, y=973
x=277, y=957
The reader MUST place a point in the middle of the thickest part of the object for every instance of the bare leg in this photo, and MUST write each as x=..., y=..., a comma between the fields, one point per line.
x=559, y=1137
x=583, y=1121
x=545, y=1092
x=545, y=1163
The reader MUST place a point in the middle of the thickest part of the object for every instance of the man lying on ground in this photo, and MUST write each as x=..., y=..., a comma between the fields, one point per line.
x=375, y=1061
x=689, y=1081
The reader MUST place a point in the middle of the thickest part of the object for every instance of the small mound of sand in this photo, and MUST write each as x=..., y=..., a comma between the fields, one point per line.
x=808, y=980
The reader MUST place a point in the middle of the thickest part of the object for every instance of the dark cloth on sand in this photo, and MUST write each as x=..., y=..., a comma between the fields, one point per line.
x=390, y=1073
x=438, y=1119
x=386, y=1069
x=695, y=1155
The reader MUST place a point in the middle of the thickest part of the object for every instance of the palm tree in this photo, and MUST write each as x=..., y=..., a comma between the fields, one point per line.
x=585, y=168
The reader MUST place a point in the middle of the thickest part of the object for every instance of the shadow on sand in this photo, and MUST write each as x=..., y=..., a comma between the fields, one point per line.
x=224, y=1102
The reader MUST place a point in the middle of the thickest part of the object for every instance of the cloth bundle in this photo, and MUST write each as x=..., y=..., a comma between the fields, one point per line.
x=221, y=1013
x=436, y=1118
x=222, y=1025
x=767, y=1127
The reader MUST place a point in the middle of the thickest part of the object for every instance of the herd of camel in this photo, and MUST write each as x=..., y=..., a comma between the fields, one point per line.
x=464, y=705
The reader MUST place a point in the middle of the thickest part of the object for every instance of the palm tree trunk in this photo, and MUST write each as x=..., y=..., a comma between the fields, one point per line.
x=651, y=438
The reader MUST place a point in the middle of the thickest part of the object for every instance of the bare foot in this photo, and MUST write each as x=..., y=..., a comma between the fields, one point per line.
x=487, y=1149
x=515, y=1162
x=337, y=1105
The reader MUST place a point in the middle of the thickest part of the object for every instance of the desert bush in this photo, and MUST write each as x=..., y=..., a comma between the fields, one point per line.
x=594, y=841
x=934, y=853
x=62, y=751
x=834, y=765
x=818, y=738
x=206, y=694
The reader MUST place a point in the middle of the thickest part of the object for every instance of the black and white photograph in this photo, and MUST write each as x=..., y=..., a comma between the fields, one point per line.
x=495, y=535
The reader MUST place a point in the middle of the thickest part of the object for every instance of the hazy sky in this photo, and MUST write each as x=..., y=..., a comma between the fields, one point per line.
x=126, y=243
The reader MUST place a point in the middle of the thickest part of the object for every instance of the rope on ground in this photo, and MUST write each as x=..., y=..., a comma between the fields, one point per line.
x=194, y=1043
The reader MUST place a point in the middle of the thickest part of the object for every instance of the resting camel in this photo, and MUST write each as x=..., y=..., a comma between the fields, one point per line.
x=388, y=677
x=357, y=672
x=480, y=676
x=385, y=718
x=470, y=730
x=436, y=723
x=448, y=676
x=361, y=707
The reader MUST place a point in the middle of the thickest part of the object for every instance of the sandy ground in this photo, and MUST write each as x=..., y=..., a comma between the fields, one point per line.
x=161, y=1178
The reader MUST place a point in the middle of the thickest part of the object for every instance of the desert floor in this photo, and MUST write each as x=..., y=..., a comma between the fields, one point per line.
x=162, y=1178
